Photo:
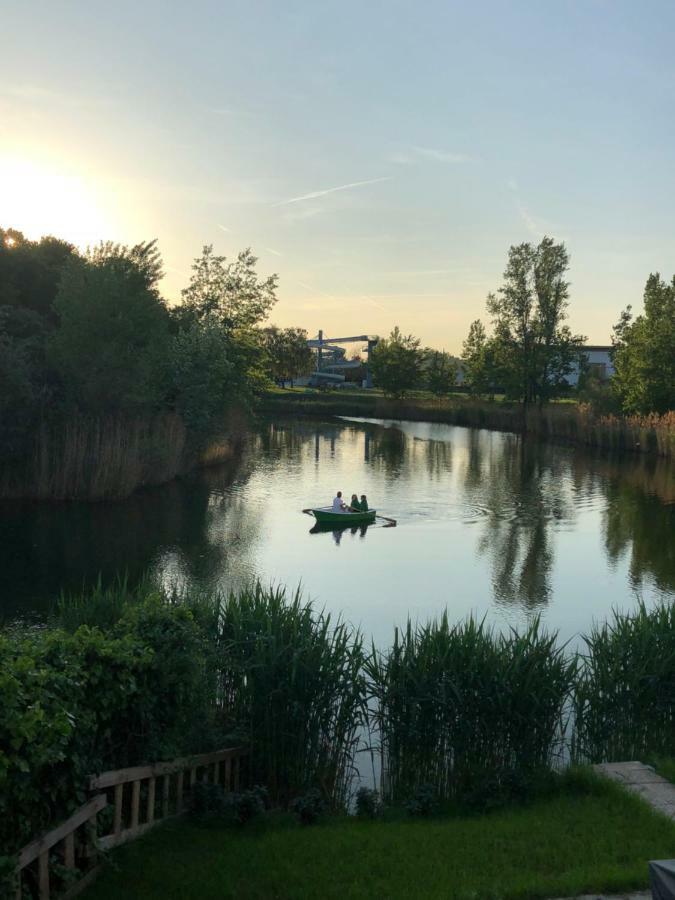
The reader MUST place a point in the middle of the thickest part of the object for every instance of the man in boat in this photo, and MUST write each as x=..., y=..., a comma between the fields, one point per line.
x=364, y=503
x=354, y=504
x=339, y=505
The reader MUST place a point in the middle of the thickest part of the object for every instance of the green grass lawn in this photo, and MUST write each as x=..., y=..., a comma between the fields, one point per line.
x=665, y=765
x=569, y=844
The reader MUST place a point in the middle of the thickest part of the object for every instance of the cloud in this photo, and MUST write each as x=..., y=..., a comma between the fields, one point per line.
x=274, y=252
x=342, y=187
x=421, y=154
x=223, y=228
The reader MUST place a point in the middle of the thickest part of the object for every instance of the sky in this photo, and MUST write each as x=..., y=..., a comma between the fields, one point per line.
x=381, y=157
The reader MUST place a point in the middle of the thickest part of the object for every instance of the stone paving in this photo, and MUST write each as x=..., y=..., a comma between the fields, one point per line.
x=656, y=790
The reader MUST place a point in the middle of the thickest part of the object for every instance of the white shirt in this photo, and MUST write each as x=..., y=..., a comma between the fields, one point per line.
x=337, y=504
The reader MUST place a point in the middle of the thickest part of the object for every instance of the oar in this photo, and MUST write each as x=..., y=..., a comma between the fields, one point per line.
x=391, y=522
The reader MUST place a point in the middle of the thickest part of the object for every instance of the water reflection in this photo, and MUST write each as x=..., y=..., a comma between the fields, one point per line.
x=487, y=523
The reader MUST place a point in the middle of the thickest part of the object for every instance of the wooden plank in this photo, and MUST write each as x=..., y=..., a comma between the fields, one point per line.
x=135, y=803
x=69, y=850
x=150, y=818
x=129, y=834
x=19, y=887
x=82, y=884
x=119, y=802
x=43, y=875
x=166, y=785
x=46, y=841
x=179, y=792
x=121, y=776
x=193, y=777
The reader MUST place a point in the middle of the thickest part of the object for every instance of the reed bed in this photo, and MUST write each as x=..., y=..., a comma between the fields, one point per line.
x=624, y=702
x=294, y=680
x=558, y=422
x=458, y=706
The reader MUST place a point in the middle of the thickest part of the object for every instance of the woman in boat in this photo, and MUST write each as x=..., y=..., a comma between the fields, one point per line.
x=354, y=504
x=363, y=505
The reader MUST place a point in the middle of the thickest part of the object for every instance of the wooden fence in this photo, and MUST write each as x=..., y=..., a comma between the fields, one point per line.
x=141, y=797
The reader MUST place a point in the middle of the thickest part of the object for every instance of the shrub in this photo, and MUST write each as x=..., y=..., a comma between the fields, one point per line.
x=424, y=802
x=309, y=807
x=368, y=803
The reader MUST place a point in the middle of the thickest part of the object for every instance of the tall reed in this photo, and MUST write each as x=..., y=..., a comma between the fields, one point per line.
x=293, y=681
x=458, y=706
x=624, y=703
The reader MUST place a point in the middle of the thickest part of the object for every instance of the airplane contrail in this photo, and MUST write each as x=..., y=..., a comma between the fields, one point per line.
x=341, y=187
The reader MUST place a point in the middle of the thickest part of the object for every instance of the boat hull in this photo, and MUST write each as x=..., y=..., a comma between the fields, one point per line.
x=345, y=519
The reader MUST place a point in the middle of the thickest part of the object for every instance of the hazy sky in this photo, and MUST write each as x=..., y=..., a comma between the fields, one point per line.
x=380, y=156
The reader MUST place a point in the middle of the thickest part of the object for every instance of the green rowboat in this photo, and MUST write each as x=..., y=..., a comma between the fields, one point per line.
x=326, y=516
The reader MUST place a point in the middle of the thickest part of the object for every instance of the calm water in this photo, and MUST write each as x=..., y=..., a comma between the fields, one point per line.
x=485, y=524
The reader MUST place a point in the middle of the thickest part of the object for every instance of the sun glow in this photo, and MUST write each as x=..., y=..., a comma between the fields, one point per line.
x=38, y=201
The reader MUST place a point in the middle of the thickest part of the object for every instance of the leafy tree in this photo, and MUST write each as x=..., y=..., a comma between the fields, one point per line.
x=441, y=373
x=288, y=355
x=396, y=364
x=644, y=352
x=534, y=350
x=479, y=363
x=233, y=291
x=111, y=343
x=30, y=272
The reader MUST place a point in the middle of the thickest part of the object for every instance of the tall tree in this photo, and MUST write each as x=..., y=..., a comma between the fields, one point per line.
x=644, y=351
x=396, y=364
x=535, y=350
x=478, y=358
x=441, y=372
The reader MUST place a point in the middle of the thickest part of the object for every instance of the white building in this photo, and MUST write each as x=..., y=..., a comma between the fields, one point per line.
x=599, y=362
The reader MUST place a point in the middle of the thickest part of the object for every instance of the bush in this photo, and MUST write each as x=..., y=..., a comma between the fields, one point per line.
x=309, y=807
x=368, y=803
x=424, y=802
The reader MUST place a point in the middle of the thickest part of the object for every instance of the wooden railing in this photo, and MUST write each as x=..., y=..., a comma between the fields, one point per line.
x=61, y=842
x=141, y=796
x=145, y=795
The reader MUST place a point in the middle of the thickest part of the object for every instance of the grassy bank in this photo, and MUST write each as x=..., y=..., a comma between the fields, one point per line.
x=566, y=422
x=95, y=458
x=588, y=838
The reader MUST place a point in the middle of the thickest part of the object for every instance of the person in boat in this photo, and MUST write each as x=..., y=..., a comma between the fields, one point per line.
x=354, y=504
x=339, y=504
x=363, y=505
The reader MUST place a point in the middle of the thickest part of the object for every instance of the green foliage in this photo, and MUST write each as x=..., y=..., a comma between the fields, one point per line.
x=424, y=801
x=441, y=373
x=644, y=352
x=624, y=705
x=368, y=803
x=113, y=335
x=30, y=272
x=396, y=364
x=288, y=356
x=480, y=371
x=75, y=704
x=309, y=807
x=453, y=705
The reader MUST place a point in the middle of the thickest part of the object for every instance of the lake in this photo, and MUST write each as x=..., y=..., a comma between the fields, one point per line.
x=486, y=523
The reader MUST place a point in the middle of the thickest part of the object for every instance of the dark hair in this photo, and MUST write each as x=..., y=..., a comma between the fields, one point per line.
x=362, y=496
x=339, y=493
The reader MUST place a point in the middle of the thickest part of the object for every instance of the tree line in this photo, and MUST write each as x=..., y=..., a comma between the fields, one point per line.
x=529, y=353
x=91, y=333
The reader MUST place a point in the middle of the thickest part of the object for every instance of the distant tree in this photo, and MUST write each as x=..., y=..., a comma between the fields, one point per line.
x=534, y=350
x=479, y=363
x=396, y=364
x=644, y=352
x=18, y=397
x=288, y=355
x=111, y=344
x=233, y=291
x=441, y=372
